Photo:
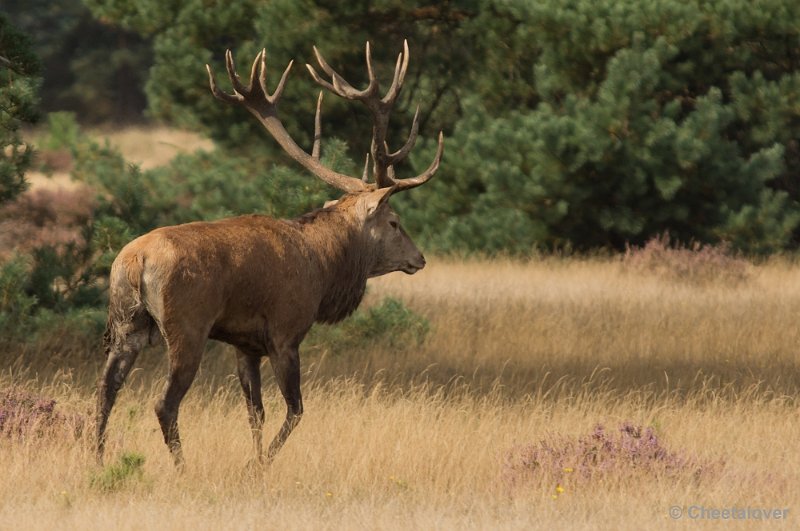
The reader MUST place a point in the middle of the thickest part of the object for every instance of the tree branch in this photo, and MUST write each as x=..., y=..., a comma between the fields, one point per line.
x=6, y=62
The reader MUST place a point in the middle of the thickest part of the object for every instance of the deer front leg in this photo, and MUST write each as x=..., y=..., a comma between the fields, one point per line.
x=286, y=365
x=249, y=370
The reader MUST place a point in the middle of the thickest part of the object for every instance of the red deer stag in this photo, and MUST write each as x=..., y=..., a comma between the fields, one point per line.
x=255, y=282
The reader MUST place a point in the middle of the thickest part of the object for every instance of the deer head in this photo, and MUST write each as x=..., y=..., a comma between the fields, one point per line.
x=365, y=202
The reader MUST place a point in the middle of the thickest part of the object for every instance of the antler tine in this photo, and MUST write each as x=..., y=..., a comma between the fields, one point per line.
x=234, y=77
x=384, y=172
x=261, y=58
x=322, y=62
x=220, y=94
x=317, y=128
x=373, y=81
x=321, y=82
x=422, y=178
x=338, y=85
x=400, y=69
x=365, y=174
x=281, y=84
x=259, y=66
x=402, y=153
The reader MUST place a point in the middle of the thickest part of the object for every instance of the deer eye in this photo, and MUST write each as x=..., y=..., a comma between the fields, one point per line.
x=394, y=224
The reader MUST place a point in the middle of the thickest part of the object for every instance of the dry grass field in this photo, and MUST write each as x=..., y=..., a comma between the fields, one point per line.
x=490, y=423
x=558, y=393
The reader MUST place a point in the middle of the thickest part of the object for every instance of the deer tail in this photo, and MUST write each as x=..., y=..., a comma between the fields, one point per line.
x=125, y=294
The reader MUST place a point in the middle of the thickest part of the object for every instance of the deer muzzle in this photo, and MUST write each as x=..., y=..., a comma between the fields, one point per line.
x=414, y=265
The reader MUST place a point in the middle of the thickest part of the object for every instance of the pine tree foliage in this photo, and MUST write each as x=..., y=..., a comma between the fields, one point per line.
x=570, y=124
x=19, y=81
x=88, y=66
x=658, y=116
x=576, y=124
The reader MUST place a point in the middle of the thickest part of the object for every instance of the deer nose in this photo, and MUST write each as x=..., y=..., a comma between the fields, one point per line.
x=415, y=264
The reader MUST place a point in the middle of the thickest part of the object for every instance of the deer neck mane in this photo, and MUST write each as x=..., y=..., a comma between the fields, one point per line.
x=344, y=261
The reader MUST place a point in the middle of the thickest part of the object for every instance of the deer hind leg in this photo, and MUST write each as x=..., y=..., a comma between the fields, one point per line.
x=124, y=341
x=249, y=370
x=286, y=365
x=184, y=362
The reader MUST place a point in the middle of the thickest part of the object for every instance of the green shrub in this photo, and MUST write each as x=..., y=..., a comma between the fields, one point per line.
x=63, y=131
x=19, y=84
x=390, y=323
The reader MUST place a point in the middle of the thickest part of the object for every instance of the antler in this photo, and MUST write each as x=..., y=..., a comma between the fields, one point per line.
x=381, y=108
x=256, y=98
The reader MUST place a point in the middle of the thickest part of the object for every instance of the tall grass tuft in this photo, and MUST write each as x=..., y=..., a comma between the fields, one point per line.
x=127, y=470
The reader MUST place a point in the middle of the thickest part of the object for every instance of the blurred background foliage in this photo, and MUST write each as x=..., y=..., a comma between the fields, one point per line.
x=569, y=125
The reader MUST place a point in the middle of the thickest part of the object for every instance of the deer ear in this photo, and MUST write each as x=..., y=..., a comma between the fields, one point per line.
x=372, y=201
x=330, y=203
